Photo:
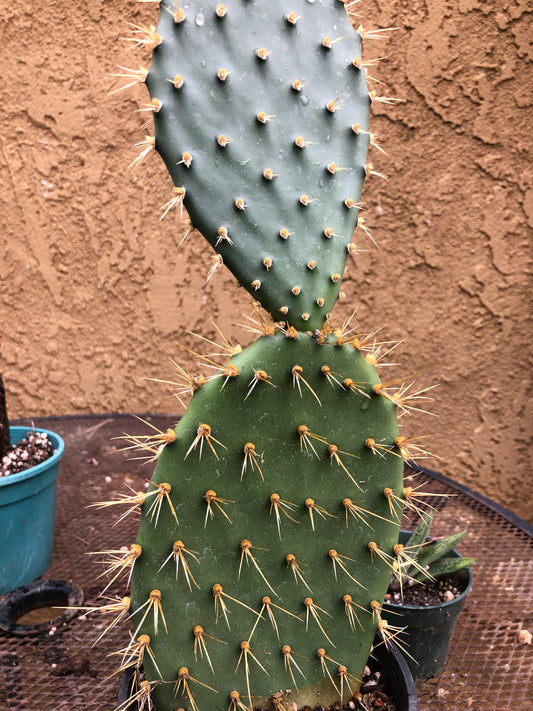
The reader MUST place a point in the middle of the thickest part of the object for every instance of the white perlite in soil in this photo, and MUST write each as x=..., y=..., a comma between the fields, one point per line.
x=30, y=451
x=430, y=593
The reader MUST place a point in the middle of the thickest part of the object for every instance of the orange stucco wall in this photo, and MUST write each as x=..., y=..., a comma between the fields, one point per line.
x=96, y=296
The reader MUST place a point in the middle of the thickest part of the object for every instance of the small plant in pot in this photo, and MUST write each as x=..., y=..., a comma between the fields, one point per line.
x=29, y=466
x=427, y=592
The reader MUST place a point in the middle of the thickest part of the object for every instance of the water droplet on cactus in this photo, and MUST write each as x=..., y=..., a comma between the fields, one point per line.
x=304, y=100
x=199, y=19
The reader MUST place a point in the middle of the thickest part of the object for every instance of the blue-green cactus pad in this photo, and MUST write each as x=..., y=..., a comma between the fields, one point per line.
x=290, y=256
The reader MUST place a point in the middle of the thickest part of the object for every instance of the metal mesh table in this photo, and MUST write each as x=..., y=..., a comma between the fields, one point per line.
x=488, y=668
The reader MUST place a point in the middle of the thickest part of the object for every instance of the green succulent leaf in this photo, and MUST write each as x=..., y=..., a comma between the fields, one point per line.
x=438, y=548
x=447, y=566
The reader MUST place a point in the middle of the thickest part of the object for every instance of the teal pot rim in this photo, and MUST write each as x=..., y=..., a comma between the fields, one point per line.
x=17, y=433
x=464, y=574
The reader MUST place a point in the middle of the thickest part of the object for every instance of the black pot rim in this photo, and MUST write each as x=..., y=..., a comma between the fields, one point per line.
x=35, y=595
x=398, y=673
x=387, y=658
x=441, y=605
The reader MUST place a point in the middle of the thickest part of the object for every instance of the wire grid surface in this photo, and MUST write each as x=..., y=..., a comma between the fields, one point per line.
x=488, y=669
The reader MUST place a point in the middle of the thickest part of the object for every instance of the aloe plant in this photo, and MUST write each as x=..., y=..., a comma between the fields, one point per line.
x=422, y=559
x=265, y=540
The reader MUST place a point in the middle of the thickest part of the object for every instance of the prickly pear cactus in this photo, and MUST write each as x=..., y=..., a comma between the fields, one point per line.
x=260, y=557
x=261, y=117
x=266, y=538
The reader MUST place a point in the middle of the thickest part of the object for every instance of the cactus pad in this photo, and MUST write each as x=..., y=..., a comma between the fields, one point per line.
x=261, y=118
x=254, y=538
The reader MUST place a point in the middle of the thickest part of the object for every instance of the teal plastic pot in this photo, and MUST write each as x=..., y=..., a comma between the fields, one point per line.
x=27, y=513
x=429, y=629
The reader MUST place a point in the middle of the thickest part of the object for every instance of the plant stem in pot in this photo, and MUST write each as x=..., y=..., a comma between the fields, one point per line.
x=5, y=441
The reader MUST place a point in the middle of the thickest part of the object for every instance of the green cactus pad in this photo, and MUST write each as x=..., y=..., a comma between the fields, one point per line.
x=281, y=440
x=261, y=117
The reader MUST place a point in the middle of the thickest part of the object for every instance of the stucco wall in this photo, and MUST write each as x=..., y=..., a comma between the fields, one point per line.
x=96, y=295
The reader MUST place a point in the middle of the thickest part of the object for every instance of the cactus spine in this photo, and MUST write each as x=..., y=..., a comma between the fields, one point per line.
x=266, y=538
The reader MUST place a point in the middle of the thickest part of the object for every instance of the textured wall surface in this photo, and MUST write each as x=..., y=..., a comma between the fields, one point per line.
x=96, y=296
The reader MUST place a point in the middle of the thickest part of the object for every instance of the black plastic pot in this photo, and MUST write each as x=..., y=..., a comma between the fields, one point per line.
x=429, y=629
x=41, y=593
x=387, y=660
x=395, y=670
